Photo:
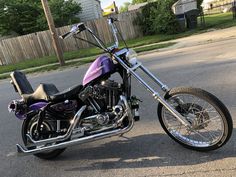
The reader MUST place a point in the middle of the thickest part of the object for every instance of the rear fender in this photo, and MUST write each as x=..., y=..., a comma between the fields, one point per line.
x=37, y=106
x=22, y=112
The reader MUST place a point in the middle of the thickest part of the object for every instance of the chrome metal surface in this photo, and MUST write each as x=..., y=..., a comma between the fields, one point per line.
x=22, y=151
x=78, y=132
x=122, y=51
x=93, y=105
x=176, y=114
x=153, y=92
x=102, y=119
x=207, y=125
x=96, y=104
x=63, y=137
x=114, y=32
x=156, y=80
x=58, y=125
x=136, y=66
x=118, y=110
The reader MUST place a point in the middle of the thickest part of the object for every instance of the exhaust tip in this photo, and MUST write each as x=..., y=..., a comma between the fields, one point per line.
x=20, y=150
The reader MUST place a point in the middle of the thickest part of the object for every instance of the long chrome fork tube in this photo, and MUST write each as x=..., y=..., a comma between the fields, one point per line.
x=162, y=85
x=151, y=90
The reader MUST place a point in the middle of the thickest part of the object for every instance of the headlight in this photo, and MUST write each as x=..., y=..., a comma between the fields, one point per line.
x=131, y=56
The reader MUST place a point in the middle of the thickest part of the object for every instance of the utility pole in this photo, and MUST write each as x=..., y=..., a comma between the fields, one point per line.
x=53, y=31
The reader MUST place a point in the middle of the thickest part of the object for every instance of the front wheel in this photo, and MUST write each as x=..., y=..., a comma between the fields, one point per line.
x=210, y=120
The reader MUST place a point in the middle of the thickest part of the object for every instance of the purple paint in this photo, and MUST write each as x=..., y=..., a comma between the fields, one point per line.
x=38, y=106
x=20, y=116
x=102, y=65
x=34, y=107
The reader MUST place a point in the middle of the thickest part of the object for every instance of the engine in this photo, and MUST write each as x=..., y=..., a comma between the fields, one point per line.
x=103, y=96
x=105, y=106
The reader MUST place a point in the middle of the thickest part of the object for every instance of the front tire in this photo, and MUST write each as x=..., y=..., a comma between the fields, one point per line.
x=210, y=119
x=29, y=126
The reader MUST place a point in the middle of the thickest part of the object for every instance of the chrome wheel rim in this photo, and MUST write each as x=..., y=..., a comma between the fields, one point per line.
x=207, y=125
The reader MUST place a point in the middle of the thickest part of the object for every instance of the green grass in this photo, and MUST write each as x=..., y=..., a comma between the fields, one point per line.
x=49, y=60
x=212, y=21
x=224, y=20
x=82, y=53
x=54, y=67
x=68, y=56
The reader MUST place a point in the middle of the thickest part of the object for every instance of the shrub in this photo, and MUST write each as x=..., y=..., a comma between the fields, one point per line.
x=157, y=18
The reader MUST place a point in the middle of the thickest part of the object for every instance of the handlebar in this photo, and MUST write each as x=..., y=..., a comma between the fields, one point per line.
x=64, y=36
x=74, y=30
x=81, y=27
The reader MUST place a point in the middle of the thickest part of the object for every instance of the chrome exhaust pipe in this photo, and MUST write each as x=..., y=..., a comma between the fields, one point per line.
x=22, y=151
x=74, y=122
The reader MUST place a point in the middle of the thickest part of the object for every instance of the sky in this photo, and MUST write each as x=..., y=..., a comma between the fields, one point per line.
x=109, y=2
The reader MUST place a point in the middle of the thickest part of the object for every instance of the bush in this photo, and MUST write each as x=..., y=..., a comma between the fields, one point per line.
x=157, y=18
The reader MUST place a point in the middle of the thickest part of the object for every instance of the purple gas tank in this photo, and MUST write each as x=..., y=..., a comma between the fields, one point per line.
x=101, y=66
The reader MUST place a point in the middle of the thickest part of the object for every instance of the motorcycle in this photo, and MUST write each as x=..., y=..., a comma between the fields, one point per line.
x=102, y=108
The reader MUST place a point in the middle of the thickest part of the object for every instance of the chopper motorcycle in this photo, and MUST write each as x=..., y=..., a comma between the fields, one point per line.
x=102, y=108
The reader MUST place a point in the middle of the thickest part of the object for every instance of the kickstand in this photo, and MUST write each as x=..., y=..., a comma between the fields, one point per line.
x=122, y=136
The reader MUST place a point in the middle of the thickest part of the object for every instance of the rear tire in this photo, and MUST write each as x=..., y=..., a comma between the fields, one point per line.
x=28, y=126
x=198, y=116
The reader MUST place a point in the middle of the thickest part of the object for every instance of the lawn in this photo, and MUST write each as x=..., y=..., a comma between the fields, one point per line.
x=224, y=20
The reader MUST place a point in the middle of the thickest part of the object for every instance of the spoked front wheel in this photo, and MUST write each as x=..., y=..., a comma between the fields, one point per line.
x=211, y=123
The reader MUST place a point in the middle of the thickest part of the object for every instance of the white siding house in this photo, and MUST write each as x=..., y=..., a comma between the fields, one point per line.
x=136, y=6
x=91, y=9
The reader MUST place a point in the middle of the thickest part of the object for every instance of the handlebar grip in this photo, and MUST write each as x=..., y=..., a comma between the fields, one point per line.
x=65, y=35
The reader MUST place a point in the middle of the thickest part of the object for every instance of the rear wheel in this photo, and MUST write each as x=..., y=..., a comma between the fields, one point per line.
x=29, y=126
x=211, y=123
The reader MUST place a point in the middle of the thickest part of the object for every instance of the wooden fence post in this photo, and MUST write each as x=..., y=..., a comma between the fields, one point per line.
x=51, y=25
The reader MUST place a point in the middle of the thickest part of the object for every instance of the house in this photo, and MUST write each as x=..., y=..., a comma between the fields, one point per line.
x=183, y=6
x=136, y=6
x=91, y=9
x=214, y=4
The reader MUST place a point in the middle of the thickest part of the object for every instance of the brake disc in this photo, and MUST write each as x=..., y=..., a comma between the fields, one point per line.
x=195, y=115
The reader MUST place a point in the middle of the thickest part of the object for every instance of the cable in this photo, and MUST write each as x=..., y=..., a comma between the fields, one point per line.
x=120, y=34
x=82, y=39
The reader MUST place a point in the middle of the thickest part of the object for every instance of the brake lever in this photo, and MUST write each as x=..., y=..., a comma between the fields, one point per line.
x=76, y=29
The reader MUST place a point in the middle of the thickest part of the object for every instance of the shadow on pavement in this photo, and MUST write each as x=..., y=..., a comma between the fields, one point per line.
x=151, y=150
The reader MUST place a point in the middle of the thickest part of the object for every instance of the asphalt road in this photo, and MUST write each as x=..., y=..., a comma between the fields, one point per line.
x=146, y=150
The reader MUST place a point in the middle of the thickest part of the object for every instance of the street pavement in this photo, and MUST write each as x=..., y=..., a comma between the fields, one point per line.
x=146, y=151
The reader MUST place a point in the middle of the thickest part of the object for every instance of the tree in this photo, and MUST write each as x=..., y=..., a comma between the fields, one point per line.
x=26, y=16
x=18, y=16
x=199, y=3
x=125, y=6
x=64, y=12
x=157, y=17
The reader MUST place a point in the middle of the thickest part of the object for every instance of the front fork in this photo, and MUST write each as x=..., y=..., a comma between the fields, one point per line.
x=154, y=93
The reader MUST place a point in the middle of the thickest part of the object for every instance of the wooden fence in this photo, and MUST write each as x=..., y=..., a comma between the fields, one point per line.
x=39, y=44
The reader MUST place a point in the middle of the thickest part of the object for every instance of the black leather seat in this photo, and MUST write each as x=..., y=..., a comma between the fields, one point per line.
x=69, y=93
x=48, y=92
x=21, y=83
x=44, y=92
